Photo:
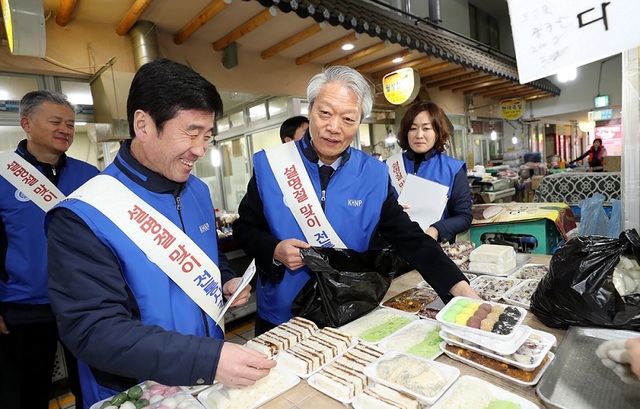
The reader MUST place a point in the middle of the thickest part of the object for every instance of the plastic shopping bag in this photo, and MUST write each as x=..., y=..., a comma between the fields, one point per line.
x=593, y=219
x=345, y=284
x=579, y=288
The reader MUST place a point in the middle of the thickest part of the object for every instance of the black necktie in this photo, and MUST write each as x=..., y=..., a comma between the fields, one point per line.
x=325, y=175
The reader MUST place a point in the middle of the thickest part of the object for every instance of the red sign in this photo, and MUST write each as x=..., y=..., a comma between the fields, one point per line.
x=611, y=138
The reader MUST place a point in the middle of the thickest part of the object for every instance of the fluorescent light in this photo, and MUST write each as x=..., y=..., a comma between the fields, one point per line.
x=567, y=74
x=348, y=46
x=216, y=160
x=514, y=140
x=80, y=123
x=494, y=135
x=397, y=60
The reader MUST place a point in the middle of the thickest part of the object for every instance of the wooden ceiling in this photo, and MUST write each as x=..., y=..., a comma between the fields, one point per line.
x=270, y=32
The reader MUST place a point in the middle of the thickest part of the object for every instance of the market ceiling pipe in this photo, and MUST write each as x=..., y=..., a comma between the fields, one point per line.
x=435, y=15
x=145, y=43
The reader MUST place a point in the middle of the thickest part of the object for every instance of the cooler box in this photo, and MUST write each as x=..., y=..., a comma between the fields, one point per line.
x=544, y=231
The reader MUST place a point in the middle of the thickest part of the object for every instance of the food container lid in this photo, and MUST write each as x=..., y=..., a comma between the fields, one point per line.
x=420, y=338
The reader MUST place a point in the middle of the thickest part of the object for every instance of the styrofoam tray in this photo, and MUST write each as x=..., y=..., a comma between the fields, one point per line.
x=497, y=373
x=492, y=288
x=308, y=374
x=544, y=339
x=463, y=329
x=412, y=335
x=471, y=392
x=450, y=374
x=520, y=294
x=530, y=271
x=312, y=379
x=412, y=300
x=175, y=392
x=363, y=327
x=276, y=383
x=388, y=393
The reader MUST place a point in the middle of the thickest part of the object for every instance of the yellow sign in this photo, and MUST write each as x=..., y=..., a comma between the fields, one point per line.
x=25, y=27
x=512, y=109
x=8, y=23
x=401, y=86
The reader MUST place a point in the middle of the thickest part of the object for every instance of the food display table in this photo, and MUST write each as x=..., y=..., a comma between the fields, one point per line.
x=304, y=396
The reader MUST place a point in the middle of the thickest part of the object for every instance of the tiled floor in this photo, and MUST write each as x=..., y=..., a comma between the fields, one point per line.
x=238, y=331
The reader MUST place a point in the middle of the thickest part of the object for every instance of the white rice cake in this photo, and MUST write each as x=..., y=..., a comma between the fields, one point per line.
x=283, y=336
x=494, y=254
x=382, y=397
x=310, y=354
x=344, y=378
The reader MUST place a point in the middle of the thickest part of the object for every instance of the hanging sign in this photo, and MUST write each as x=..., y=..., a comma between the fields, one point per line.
x=512, y=109
x=550, y=35
x=401, y=86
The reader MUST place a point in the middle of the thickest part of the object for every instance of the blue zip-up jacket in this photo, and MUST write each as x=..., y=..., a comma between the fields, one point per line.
x=265, y=221
x=353, y=208
x=117, y=311
x=23, y=244
x=440, y=168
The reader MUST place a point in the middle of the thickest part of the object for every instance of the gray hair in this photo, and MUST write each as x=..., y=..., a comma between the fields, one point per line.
x=31, y=101
x=348, y=77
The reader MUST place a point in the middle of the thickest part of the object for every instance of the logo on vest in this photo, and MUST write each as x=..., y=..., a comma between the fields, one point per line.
x=354, y=202
x=21, y=196
x=204, y=228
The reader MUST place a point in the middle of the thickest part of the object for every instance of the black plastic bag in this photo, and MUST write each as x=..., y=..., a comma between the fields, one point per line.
x=344, y=285
x=579, y=289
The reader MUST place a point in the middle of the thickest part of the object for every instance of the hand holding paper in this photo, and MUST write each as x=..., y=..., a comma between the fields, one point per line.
x=424, y=200
x=240, y=288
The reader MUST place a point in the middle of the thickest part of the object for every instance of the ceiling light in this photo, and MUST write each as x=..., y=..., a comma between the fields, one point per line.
x=567, y=74
x=397, y=60
x=80, y=123
x=494, y=135
x=348, y=46
x=514, y=140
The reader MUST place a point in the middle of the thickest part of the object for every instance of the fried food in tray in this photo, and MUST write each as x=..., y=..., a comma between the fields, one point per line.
x=497, y=366
x=412, y=300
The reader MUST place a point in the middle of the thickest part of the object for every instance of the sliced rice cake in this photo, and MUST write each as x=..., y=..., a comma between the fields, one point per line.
x=283, y=336
x=315, y=351
x=382, y=397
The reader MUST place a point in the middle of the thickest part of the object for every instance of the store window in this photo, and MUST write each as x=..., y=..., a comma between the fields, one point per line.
x=207, y=170
x=236, y=119
x=278, y=106
x=13, y=87
x=78, y=93
x=235, y=171
x=257, y=112
x=265, y=139
x=222, y=124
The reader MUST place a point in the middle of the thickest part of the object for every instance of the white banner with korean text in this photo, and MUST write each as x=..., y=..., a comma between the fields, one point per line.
x=164, y=243
x=397, y=172
x=29, y=180
x=294, y=182
x=551, y=35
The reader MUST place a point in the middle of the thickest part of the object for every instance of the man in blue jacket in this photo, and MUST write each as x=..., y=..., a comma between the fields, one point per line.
x=345, y=209
x=28, y=333
x=121, y=247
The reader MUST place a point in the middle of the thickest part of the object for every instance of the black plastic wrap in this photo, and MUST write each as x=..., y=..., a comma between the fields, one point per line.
x=345, y=284
x=579, y=289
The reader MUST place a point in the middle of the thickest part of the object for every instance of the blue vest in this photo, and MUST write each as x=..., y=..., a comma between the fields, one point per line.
x=26, y=260
x=440, y=169
x=150, y=286
x=354, y=199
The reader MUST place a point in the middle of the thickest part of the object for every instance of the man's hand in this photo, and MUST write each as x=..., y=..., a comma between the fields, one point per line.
x=3, y=326
x=288, y=253
x=463, y=289
x=231, y=286
x=622, y=356
x=242, y=366
x=433, y=232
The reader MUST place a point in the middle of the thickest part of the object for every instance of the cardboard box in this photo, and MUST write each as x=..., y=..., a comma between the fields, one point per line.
x=612, y=164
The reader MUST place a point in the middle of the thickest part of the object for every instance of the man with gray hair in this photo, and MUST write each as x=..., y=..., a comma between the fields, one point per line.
x=337, y=196
x=32, y=179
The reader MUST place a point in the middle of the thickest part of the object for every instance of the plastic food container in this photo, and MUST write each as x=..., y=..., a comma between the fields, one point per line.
x=520, y=295
x=530, y=271
x=472, y=392
x=420, y=338
x=489, y=319
x=425, y=379
x=378, y=324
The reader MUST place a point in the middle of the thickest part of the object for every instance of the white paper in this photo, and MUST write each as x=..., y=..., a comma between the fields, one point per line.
x=550, y=35
x=426, y=200
x=246, y=279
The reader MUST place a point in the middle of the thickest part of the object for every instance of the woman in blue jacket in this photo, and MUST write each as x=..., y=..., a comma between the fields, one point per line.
x=424, y=134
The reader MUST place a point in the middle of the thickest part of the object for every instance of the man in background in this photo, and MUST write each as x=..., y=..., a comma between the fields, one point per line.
x=293, y=129
x=39, y=168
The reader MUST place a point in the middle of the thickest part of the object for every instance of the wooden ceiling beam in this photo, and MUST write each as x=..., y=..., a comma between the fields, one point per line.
x=409, y=64
x=433, y=68
x=293, y=40
x=130, y=18
x=475, y=80
x=325, y=49
x=512, y=88
x=359, y=54
x=65, y=9
x=452, y=80
x=517, y=93
x=246, y=27
x=492, y=88
x=384, y=60
x=478, y=86
x=445, y=75
x=200, y=20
